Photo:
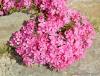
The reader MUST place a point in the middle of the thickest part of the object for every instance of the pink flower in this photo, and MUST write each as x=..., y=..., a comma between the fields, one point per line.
x=1, y=13
x=57, y=38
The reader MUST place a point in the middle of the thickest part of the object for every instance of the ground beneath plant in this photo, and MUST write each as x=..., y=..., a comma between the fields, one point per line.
x=89, y=66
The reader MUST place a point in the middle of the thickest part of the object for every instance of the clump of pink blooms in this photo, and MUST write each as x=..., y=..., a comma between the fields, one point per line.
x=58, y=37
x=50, y=6
x=16, y=5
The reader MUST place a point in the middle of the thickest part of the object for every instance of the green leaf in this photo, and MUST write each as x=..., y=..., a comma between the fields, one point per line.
x=4, y=49
x=12, y=10
x=67, y=27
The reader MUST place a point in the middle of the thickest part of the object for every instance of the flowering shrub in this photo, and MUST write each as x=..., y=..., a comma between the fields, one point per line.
x=9, y=6
x=51, y=7
x=57, y=37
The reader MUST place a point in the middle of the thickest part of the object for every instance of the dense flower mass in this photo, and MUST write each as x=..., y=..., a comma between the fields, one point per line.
x=6, y=6
x=57, y=37
x=47, y=6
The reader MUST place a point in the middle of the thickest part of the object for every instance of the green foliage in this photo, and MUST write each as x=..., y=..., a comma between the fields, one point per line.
x=66, y=27
x=12, y=10
x=4, y=49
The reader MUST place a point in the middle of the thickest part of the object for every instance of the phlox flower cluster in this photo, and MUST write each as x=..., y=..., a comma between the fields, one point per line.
x=58, y=37
x=15, y=5
x=49, y=6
